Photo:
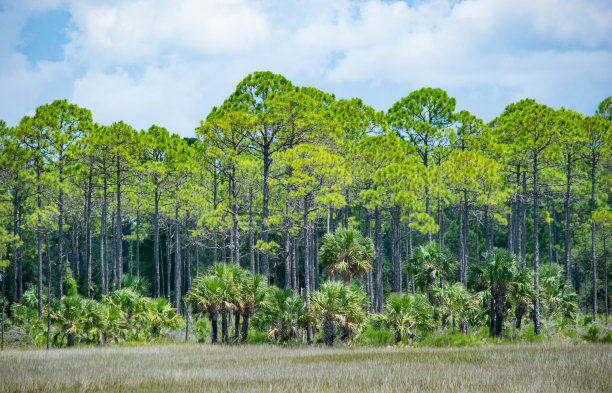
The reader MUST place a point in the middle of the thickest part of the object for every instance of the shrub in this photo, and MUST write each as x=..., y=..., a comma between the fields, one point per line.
x=592, y=334
x=374, y=337
x=257, y=337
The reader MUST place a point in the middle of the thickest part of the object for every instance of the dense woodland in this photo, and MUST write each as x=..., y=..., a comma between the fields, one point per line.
x=306, y=216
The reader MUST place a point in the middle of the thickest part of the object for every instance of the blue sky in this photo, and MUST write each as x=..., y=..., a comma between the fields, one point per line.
x=168, y=62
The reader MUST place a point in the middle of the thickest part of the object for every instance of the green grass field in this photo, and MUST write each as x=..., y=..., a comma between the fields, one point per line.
x=557, y=367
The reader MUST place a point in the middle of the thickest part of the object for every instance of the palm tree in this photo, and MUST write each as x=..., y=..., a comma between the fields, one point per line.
x=456, y=304
x=159, y=314
x=406, y=314
x=336, y=302
x=252, y=295
x=521, y=295
x=286, y=312
x=229, y=276
x=497, y=274
x=346, y=251
x=207, y=297
x=431, y=264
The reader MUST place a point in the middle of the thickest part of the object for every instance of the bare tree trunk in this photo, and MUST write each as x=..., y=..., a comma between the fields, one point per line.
x=306, y=265
x=119, y=231
x=251, y=233
x=568, y=226
x=288, y=255
x=549, y=229
x=593, y=256
x=48, y=292
x=168, y=261
x=39, y=240
x=138, y=243
x=605, y=255
x=378, y=246
x=466, y=238
x=88, y=232
x=177, y=262
x=524, y=223
x=536, y=247
x=461, y=243
x=14, y=255
x=265, y=212
x=295, y=263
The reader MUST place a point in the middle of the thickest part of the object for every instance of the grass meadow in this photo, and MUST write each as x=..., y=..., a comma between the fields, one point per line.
x=545, y=367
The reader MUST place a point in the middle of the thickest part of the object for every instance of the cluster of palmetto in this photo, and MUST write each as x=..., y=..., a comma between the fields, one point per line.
x=124, y=315
x=498, y=288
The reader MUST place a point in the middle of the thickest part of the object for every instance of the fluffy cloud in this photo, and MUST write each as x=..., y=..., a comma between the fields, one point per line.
x=169, y=62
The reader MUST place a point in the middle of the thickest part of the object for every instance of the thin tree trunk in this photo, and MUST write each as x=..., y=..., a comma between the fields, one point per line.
x=48, y=292
x=524, y=223
x=88, y=232
x=177, y=261
x=60, y=231
x=168, y=262
x=466, y=237
x=605, y=255
x=119, y=231
x=288, y=255
x=476, y=232
x=251, y=233
x=568, y=226
x=378, y=298
x=549, y=230
x=14, y=251
x=306, y=266
x=138, y=243
x=39, y=240
x=593, y=256
x=461, y=243
x=264, y=213
x=536, y=247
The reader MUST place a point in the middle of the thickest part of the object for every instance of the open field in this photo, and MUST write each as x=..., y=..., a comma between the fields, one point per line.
x=180, y=368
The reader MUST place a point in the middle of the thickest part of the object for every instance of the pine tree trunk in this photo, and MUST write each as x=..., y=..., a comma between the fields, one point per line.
x=536, y=247
x=14, y=250
x=168, y=262
x=378, y=298
x=60, y=231
x=48, y=291
x=461, y=243
x=39, y=239
x=524, y=223
x=549, y=230
x=177, y=262
x=306, y=265
x=88, y=233
x=568, y=226
x=138, y=243
x=288, y=255
x=264, y=213
x=251, y=233
x=119, y=231
x=466, y=238
x=593, y=256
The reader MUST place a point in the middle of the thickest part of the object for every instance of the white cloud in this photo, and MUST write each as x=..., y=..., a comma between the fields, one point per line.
x=169, y=62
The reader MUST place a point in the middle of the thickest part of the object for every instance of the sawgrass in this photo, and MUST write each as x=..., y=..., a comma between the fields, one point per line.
x=544, y=367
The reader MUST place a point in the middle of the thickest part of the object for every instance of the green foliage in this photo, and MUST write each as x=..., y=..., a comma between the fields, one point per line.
x=346, y=252
x=371, y=337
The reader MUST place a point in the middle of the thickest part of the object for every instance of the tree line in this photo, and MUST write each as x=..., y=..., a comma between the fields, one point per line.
x=277, y=169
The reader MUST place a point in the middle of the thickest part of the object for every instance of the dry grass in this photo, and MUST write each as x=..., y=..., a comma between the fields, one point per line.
x=548, y=367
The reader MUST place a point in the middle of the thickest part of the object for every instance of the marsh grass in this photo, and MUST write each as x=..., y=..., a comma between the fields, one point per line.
x=546, y=367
